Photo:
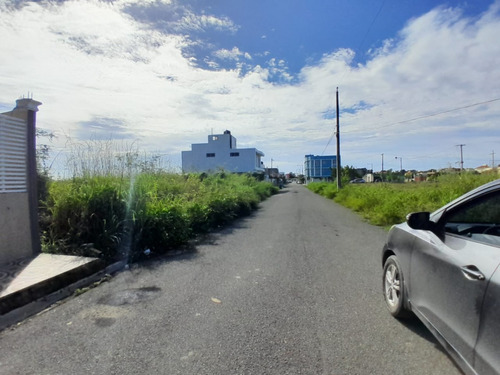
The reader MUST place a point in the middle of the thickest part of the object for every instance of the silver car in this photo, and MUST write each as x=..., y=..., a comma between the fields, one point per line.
x=444, y=268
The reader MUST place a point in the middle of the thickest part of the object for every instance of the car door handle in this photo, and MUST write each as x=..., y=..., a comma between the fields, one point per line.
x=472, y=273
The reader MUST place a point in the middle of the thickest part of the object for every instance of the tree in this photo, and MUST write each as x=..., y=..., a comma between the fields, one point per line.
x=43, y=150
x=347, y=174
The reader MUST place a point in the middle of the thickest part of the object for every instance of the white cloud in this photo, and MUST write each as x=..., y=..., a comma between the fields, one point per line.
x=193, y=21
x=87, y=60
x=143, y=2
x=233, y=54
x=279, y=70
x=439, y=62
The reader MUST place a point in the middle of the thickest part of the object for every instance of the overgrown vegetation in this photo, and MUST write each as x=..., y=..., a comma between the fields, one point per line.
x=118, y=217
x=120, y=203
x=387, y=204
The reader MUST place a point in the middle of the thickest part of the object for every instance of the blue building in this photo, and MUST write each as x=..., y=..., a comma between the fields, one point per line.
x=318, y=168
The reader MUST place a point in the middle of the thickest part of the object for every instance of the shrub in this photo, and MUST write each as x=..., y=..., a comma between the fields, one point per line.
x=387, y=204
x=318, y=187
x=85, y=215
x=165, y=227
x=121, y=217
x=198, y=214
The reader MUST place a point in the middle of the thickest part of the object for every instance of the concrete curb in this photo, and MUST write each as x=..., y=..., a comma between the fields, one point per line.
x=21, y=313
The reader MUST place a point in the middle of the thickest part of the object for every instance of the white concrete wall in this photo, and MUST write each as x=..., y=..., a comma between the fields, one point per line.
x=15, y=235
x=19, y=236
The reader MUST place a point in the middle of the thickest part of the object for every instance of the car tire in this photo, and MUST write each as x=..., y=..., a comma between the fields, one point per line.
x=394, y=288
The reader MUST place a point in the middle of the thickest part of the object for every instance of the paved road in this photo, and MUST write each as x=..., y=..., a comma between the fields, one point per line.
x=293, y=289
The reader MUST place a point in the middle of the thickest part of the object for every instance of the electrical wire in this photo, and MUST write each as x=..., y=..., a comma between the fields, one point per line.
x=333, y=135
x=358, y=49
x=364, y=38
x=424, y=116
x=403, y=121
x=413, y=119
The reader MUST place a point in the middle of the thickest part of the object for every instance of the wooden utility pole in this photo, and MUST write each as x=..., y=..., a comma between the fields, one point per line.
x=382, y=172
x=339, y=183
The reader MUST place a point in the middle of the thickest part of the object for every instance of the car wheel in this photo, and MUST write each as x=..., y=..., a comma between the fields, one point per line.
x=394, y=288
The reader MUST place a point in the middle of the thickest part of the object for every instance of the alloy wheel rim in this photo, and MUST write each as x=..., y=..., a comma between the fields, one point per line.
x=392, y=286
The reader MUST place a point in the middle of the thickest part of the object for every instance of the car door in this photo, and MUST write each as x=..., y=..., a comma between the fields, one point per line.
x=450, y=270
x=487, y=360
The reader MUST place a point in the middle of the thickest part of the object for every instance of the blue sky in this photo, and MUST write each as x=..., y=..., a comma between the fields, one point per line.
x=416, y=78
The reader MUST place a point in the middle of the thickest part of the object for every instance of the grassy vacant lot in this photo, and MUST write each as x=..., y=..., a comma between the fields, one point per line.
x=117, y=217
x=387, y=204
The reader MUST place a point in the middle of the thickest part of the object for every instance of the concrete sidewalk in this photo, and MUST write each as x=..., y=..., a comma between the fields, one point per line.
x=28, y=286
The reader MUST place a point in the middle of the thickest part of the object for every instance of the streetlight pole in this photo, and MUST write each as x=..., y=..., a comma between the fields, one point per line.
x=400, y=162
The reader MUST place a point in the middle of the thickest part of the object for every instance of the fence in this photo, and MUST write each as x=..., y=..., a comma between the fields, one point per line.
x=18, y=203
x=13, y=152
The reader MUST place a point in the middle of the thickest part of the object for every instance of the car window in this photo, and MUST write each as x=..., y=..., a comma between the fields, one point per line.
x=478, y=220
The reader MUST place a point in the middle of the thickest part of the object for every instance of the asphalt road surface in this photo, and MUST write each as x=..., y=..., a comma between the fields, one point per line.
x=293, y=289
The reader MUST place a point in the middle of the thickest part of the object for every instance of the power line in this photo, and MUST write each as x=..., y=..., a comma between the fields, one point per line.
x=359, y=48
x=364, y=38
x=413, y=119
x=333, y=135
x=426, y=116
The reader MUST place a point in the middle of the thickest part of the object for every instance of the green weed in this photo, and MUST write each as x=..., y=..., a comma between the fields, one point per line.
x=119, y=216
x=386, y=204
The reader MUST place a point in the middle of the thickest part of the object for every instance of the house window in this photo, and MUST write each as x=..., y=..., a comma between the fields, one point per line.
x=234, y=154
x=210, y=155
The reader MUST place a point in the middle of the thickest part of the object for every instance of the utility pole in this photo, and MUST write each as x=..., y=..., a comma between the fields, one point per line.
x=382, y=172
x=461, y=157
x=493, y=159
x=339, y=183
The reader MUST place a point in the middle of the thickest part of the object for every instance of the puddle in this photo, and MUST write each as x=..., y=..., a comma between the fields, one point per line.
x=131, y=296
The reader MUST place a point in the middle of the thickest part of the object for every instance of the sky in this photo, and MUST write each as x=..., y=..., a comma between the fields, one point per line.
x=416, y=79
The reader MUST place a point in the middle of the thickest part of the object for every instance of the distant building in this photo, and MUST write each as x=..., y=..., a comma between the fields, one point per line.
x=221, y=153
x=483, y=168
x=274, y=176
x=487, y=169
x=369, y=177
x=318, y=168
x=272, y=172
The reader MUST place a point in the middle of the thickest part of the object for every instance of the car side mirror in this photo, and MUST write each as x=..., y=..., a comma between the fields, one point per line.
x=419, y=220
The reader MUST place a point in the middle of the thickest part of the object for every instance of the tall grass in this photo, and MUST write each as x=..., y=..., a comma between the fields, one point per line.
x=120, y=203
x=117, y=217
x=387, y=204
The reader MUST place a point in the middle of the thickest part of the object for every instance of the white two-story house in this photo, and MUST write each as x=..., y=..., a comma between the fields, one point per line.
x=221, y=153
